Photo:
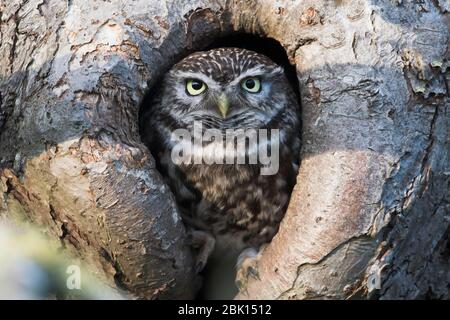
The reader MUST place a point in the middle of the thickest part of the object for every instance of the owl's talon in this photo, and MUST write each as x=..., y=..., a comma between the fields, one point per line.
x=252, y=272
x=247, y=267
x=204, y=242
x=199, y=266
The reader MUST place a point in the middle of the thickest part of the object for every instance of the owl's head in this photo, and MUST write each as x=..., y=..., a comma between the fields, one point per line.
x=226, y=88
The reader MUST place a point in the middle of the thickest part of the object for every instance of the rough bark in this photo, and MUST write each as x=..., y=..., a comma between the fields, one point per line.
x=369, y=216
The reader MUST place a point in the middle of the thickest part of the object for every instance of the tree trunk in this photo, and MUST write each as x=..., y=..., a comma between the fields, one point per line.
x=369, y=216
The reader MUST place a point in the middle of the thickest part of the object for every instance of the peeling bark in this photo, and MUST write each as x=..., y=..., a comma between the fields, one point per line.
x=369, y=216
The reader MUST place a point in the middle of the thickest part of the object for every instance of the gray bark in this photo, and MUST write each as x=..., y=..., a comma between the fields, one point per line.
x=369, y=216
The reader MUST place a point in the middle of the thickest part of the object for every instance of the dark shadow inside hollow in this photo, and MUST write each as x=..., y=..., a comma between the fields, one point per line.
x=266, y=46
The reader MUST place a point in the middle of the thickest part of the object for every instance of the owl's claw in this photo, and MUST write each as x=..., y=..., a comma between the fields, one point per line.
x=204, y=242
x=199, y=266
x=247, y=267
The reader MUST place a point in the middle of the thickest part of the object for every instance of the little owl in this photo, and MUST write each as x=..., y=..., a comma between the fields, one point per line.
x=229, y=208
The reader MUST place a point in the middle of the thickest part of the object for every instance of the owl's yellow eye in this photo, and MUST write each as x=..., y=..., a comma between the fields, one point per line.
x=195, y=87
x=251, y=84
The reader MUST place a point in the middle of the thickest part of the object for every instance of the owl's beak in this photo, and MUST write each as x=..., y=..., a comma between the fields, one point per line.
x=224, y=104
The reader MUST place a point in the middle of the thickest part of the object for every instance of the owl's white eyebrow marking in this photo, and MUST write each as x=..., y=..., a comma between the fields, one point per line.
x=256, y=71
x=200, y=76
